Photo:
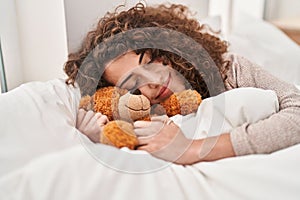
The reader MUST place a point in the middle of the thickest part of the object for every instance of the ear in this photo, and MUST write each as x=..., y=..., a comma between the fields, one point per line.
x=86, y=103
x=183, y=103
x=189, y=101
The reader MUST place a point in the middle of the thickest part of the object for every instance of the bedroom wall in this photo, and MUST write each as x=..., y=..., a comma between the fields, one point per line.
x=36, y=35
x=10, y=44
x=42, y=34
x=231, y=10
x=81, y=16
x=281, y=9
x=33, y=37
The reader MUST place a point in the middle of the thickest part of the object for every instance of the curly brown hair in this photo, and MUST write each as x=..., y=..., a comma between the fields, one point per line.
x=171, y=17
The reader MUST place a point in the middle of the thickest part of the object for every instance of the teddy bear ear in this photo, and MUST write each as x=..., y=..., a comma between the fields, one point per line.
x=189, y=101
x=86, y=103
x=183, y=103
x=121, y=91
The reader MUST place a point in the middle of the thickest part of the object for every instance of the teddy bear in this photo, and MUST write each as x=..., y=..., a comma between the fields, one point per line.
x=123, y=108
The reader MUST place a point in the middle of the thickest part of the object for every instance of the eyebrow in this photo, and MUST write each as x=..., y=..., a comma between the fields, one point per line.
x=126, y=79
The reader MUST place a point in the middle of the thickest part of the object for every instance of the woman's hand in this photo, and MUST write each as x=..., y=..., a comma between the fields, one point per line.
x=166, y=141
x=90, y=124
x=162, y=138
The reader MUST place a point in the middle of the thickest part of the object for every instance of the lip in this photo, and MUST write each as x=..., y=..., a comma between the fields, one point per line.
x=164, y=91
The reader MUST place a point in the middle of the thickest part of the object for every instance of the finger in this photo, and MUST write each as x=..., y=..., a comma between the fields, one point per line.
x=102, y=120
x=147, y=148
x=147, y=124
x=143, y=140
x=159, y=118
x=141, y=124
x=153, y=129
x=88, y=116
x=93, y=121
x=142, y=147
x=144, y=132
x=98, y=115
x=93, y=132
x=92, y=129
x=80, y=116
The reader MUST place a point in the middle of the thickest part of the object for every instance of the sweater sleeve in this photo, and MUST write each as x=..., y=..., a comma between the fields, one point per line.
x=276, y=132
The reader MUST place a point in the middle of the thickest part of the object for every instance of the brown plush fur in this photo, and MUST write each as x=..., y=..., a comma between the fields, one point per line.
x=123, y=108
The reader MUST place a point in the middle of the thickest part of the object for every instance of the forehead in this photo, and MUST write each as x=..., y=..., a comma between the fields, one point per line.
x=116, y=69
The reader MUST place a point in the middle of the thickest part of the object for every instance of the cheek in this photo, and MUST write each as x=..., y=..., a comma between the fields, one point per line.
x=116, y=70
x=110, y=77
x=178, y=82
x=114, y=73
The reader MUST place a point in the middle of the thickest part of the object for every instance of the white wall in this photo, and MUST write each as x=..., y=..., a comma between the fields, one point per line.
x=10, y=43
x=82, y=15
x=34, y=33
x=33, y=37
x=231, y=10
x=289, y=8
x=200, y=7
x=42, y=34
x=282, y=9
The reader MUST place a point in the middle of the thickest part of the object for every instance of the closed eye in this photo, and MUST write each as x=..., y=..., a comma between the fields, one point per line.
x=125, y=80
x=131, y=82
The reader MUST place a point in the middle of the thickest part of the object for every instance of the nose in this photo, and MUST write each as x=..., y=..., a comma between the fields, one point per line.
x=152, y=78
x=153, y=86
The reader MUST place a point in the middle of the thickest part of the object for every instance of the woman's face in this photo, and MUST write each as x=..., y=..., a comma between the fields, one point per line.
x=154, y=80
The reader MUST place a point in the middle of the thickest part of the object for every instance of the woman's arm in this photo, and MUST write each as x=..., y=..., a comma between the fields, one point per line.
x=166, y=141
x=208, y=149
x=280, y=130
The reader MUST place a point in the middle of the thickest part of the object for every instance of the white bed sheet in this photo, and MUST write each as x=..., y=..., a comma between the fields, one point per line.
x=42, y=157
x=73, y=174
x=35, y=119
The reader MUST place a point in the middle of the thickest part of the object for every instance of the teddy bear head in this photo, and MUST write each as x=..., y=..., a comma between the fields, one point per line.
x=118, y=104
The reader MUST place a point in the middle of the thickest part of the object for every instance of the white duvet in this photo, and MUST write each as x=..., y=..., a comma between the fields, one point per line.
x=44, y=157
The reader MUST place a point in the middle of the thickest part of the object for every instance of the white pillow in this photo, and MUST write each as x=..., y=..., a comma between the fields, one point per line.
x=267, y=46
x=228, y=110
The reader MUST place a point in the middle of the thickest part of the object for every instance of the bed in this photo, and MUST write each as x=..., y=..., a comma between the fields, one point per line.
x=43, y=155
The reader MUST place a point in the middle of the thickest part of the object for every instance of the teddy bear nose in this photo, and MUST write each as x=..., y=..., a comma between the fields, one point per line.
x=136, y=92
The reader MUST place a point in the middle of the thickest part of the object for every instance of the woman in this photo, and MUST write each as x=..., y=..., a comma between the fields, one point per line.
x=129, y=67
